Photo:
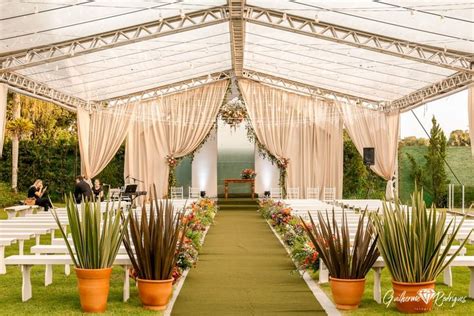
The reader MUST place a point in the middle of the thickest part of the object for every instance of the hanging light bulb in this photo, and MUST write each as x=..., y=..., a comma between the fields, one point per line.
x=160, y=17
x=36, y=10
x=441, y=18
x=316, y=18
x=284, y=17
x=181, y=13
x=56, y=68
x=412, y=12
x=209, y=77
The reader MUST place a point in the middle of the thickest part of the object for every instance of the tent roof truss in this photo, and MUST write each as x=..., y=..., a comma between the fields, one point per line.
x=237, y=13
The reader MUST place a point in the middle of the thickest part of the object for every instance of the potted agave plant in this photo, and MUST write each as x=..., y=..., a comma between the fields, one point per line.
x=348, y=261
x=411, y=245
x=96, y=241
x=157, y=240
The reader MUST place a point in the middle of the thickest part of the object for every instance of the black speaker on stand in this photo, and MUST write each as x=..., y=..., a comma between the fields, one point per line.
x=369, y=160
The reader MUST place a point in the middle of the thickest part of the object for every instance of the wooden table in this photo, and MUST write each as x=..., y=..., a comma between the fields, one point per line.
x=228, y=181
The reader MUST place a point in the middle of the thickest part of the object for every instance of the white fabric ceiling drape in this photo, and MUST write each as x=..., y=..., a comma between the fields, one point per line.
x=380, y=130
x=3, y=114
x=305, y=130
x=174, y=126
x=470, y=109
x=101, y=133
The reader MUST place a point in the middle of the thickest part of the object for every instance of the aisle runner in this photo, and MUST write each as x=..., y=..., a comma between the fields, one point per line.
x=243, y=269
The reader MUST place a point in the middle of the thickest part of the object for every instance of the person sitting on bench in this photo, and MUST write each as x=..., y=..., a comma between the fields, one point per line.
x=37, y=192
x=98, y=190
x=82, y=189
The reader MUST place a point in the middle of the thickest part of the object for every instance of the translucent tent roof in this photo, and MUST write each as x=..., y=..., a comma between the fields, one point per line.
x=392, y=53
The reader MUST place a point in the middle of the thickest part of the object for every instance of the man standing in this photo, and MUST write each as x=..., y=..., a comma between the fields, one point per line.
x=82, y=189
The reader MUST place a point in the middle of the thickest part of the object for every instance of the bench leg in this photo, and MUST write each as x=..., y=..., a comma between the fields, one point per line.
x=3, y=269
x=26, y=292
x=52, y=235
x=11, y=214
x=323, y=273
x=378, y=285
x=67, y=269
x=448, y=276
x=21, y=246
x=38, y=239
x=48, y=274
x=23, y=213
x=126, y=284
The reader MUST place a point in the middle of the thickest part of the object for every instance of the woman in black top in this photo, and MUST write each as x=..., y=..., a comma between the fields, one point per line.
x=37, y=191
x=97, y=190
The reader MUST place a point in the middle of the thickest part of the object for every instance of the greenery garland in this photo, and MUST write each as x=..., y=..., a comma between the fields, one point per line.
x=172, y=162
x=281, y=163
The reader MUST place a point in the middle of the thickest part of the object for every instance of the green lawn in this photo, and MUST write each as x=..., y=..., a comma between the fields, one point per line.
x=59, y=298
x=460, y=287
x=460, y=160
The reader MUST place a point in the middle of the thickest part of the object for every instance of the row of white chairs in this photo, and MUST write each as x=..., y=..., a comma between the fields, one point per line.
x=328, y=193
x=178, y=193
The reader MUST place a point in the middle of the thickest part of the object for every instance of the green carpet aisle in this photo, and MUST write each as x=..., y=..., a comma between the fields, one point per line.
x=244, y=270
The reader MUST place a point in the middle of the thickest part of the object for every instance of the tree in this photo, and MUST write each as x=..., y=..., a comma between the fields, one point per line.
x=17, y=128
x=435, y=171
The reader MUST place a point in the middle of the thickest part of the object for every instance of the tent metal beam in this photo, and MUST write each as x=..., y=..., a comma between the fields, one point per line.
x=314, y=91
x=454, y=60
x=129, y=35
x=40, y=90
x=160, y=91
x=452, y=84
x=237, y=34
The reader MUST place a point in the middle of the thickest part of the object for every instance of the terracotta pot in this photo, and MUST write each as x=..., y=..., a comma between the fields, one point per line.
x=93, y=285
x=155, y=294
x=347, y=293
x=413, y=297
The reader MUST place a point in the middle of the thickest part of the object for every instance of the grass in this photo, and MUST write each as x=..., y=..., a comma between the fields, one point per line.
x=460, y=287
x=61, y=297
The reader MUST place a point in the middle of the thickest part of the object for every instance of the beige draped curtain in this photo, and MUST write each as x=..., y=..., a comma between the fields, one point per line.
x=3, y=114
x=173, y=125
x=101, y=133
x=370, y=128
x=308, y=131
x=470, y=109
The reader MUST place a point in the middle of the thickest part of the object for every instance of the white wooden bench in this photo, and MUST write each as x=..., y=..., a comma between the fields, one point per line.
x=459, y=261
x=380, y=264
x=3, y=243
x=21, y=210
x=27, y=262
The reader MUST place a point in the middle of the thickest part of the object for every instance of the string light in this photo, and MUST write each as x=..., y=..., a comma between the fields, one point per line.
x=316, y=18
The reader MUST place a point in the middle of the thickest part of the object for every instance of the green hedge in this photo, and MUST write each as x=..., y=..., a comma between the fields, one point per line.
x=55, y=162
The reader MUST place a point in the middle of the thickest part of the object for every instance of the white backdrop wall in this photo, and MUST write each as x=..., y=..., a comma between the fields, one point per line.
x=267, y=174
x=204, y=166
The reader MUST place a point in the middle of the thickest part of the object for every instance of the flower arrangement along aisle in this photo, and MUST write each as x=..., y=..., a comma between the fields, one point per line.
x=199, y=217
x=348, y=260
x=291, y=231
x=96, y=242
x=248, y=174
x=157, y=243
x=411, y=245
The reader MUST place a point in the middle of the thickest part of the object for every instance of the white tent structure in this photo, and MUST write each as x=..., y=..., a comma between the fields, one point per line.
x=387, y=56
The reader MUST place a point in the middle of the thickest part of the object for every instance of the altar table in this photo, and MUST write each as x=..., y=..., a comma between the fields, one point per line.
x=228, y=181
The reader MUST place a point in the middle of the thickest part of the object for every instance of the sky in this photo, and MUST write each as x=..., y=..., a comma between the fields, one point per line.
x=450, y=112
